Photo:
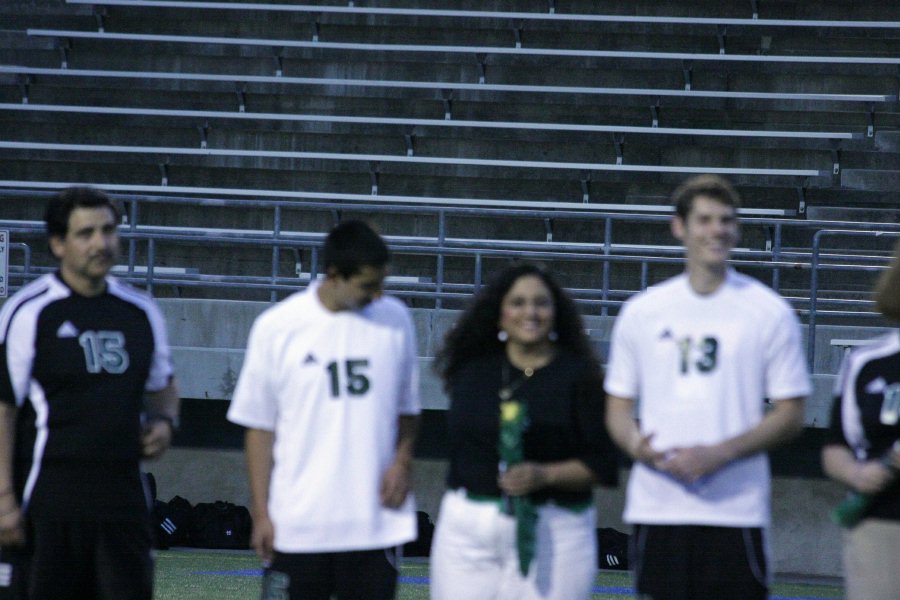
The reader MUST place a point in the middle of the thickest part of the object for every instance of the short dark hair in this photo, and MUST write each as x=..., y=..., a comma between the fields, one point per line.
x=713, y=186
x=352, y=245
x=887, y=292
x=60, y=207
x=475, y=333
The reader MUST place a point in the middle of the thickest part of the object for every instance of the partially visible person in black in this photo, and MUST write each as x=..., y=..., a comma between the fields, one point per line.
x=862, y=451
x=86, y=392
x=522, y=341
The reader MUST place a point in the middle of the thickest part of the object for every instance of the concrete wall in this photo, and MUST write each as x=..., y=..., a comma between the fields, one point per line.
x=803, y=539
x=208, y=337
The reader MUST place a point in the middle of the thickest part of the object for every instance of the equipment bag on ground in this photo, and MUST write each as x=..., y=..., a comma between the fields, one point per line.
x=220, y=525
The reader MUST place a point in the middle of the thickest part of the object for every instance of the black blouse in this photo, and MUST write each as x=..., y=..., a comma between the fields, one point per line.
x=565, y=406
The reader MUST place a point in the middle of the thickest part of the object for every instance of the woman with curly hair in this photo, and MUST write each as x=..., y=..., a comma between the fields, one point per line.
x=527, y=445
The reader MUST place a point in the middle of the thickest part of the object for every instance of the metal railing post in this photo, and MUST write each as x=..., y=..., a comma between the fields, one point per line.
x=151, y=259
x=132, y=227
x=607, y=247
x=776, y=256
x=439, y=276
x=276, y=234
x=813, y=296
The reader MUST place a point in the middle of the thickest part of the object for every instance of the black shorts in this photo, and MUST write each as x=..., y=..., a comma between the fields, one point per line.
x=90, y=560
x=692, y=562
x=357, y=575
x=13, y=572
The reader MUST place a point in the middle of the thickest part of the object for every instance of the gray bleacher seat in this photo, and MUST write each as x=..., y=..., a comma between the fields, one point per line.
x=201, y=196
x=469, y=50
x=409, y=159
x=436, y=123
x=751, y=21
x=237, y=78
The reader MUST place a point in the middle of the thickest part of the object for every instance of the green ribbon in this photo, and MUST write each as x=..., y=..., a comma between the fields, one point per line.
x=513, y=421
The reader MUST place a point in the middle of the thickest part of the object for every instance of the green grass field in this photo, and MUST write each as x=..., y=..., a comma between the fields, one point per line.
x=209, y=575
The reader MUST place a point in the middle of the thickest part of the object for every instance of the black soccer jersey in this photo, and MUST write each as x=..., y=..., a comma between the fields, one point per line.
x=866, y=412
x=77, y=367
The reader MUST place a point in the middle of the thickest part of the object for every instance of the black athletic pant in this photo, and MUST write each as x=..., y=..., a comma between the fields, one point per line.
x=90, y=560
x=691, y=562
x=357, y=575
x=13, y=572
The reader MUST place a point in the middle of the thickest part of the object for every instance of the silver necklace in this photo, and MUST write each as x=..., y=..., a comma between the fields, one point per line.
x=508, y=389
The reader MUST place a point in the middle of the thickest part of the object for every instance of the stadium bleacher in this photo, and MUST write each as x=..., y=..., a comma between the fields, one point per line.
x=450, y=80
x=526, y=106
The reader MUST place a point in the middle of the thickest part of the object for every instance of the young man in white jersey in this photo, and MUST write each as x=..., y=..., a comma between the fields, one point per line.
x=714, y=361
x=329, y=396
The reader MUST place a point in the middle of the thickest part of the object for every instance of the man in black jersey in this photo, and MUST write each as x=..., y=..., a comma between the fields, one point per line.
x=86, y=392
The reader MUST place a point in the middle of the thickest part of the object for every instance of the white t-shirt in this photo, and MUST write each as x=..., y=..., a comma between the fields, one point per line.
x=331, y=386
x=700, y=367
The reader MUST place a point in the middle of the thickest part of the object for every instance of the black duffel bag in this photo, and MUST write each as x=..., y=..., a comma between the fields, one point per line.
x=220, y=525
x=172, y=522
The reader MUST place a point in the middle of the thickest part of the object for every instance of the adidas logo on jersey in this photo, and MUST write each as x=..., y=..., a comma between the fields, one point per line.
x=876, y=386
x=67, y=330
x=310, y=360
x=666, y=334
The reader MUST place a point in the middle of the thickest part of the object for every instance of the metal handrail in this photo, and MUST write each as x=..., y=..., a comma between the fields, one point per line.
x=440, y=246
x=463, y=49
x=519, y=250
x=230, y=79
x=815, y=267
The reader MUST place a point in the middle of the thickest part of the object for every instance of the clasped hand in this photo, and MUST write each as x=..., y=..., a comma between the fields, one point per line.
x=522, y=478
x=688, y=464
x=872, y=476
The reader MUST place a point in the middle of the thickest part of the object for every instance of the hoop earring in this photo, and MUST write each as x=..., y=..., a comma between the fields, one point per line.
x=502, y=336
x=552, y=336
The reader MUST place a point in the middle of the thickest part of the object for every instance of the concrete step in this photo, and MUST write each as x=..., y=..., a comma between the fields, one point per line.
x=440, y=30
x=356, y=178
x=887, y=141
x=855, y=214
x=879, y=180
x=275, y=130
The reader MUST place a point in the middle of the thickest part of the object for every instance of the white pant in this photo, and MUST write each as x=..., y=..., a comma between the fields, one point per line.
x=474, y=557
x=870, y=560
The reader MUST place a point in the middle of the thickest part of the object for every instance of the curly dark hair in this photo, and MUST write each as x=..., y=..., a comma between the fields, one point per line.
x=475, y=333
